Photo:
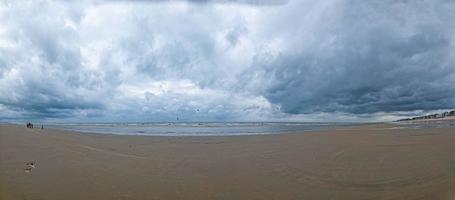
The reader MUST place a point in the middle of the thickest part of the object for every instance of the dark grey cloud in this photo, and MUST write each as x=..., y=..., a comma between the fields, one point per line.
x=42, y=97
x=375, y=57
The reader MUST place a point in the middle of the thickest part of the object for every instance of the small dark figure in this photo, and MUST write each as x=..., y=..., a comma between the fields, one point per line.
x=42, y=127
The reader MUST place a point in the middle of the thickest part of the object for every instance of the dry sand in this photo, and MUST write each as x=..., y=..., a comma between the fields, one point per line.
x=375, y=161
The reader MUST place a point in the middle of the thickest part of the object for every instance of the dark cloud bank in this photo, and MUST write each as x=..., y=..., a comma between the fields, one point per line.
x=374, y=57
x=297, y=60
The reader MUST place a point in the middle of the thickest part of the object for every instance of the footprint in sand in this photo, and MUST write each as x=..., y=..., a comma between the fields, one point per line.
x=29, y=166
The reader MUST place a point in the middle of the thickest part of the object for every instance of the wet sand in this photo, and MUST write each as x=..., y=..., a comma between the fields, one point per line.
x=375, y=161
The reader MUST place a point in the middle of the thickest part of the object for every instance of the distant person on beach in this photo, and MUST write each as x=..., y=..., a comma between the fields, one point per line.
x=42, y=127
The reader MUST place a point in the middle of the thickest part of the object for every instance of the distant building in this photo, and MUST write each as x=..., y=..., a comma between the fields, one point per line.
x=432, y=116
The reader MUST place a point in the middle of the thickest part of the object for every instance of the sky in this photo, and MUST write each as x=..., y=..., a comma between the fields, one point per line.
x=225, y=60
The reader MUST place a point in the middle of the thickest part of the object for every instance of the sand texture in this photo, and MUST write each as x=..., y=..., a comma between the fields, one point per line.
x=375, y=161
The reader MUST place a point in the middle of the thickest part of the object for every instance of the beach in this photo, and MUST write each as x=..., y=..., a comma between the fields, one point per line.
x=369, y=161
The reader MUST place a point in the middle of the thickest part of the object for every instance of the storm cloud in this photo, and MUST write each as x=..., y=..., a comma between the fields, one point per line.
x=225, y=60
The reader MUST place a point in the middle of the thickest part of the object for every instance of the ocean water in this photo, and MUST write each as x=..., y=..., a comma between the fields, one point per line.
x=195, y=129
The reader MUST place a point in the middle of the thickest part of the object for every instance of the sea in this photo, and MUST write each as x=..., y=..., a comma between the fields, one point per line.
x=195, y=128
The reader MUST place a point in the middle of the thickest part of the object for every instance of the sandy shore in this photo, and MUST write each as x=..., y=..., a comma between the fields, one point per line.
x=375, y=161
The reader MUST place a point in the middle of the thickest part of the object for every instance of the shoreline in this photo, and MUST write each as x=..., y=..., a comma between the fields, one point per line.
x=370, y=161
x=193, y=134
